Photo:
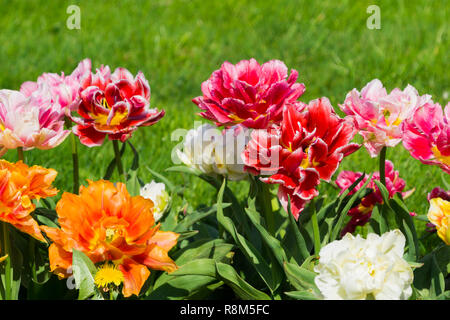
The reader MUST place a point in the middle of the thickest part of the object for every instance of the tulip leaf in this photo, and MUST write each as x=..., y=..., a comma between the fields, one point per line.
x=205, y=267
x=253, y=256
x=133, y=185
x=163, y=179
x=300, y=277
x=431, y=276
x=406, y=225
x=112, y=164
x=15, y=261
x=216, y=249
x=184, y=169
x=84, y=272
x=444, y=177
x=181, y=287
x=343, y=213
x=135, y=163
x=187, y=234
x=302, y=247
x=273, y=243
x=242, y=288
x=46, y=217
x=196, y=216
x=302, y=295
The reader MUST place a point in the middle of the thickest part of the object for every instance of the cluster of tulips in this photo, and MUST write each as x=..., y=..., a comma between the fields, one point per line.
x=108, y=236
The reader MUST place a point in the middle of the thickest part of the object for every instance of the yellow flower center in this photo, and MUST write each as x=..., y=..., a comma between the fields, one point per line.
x=102, y=119
x=387, y=114
x=107, y=275
x=440, y=157
x=113, y=233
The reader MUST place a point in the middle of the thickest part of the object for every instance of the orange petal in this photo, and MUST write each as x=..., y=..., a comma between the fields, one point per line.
x=165, y=239
x=135, y=275
x=60, y=260
x=157, y=259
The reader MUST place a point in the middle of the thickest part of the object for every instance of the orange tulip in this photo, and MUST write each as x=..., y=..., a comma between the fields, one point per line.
x=19, y=185
x=116, y=231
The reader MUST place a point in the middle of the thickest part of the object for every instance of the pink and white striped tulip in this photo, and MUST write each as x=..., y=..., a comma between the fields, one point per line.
x=378, y=116
x=62, y=88
x=30, y=122
x=426, y=135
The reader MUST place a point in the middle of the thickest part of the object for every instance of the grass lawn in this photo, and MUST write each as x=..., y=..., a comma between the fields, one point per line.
x=177, y=44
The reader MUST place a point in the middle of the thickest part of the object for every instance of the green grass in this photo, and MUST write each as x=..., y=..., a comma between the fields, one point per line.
x=177, y=44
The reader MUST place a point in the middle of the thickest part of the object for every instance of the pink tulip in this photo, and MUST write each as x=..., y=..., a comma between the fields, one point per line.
x=64, y=89
x=426, y=135
x=361, y=214
x=249, y=93
x=30, y=122
x=309, y=145
x=378, y=115
x=114, y=105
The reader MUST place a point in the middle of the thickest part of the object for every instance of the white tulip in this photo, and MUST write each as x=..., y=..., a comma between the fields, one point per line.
x=159, y=196
x=355, y=268
x=211, y=151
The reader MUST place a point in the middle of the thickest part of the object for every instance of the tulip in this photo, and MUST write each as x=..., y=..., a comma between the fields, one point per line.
x=114, y=105
x=378, y=116
x=159, y=196
x=361, y=214
x=426, y=135
x=307, y=146
x=439, y=213
x=213, y=152
x=355, y=268
x=116, y=231
x=63, y=89
x=30, y=122
x=249, y=93
x=19, y=185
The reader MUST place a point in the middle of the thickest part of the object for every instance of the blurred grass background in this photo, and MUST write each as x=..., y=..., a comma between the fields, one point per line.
x=179, y=43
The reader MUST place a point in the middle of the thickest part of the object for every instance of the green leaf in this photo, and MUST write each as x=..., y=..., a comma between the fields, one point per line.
x=302, y=295
x=431, y=275
x=84, y=272
x=273, y=243
x=343, y=213
x=302, y=248
x=44, y=219
x=406, y=224
x=444, y=177
x=184, y=169
x=163, y=179
x=299, y=277
x=243, y=289
x=15, y=259
x=196, y=216
x=253, y=256
x=112, y=164
x=179, y=288
x=133, y=185
x=202, y=267
x=216, y=249
x=135, y=163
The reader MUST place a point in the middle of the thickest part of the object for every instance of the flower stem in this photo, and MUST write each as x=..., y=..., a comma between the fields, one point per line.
x=20, y=155
x=75, y=163
x=7, y=262
x=264, y=198
x=383, y=166
x=315, y=225
x=119, y=161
